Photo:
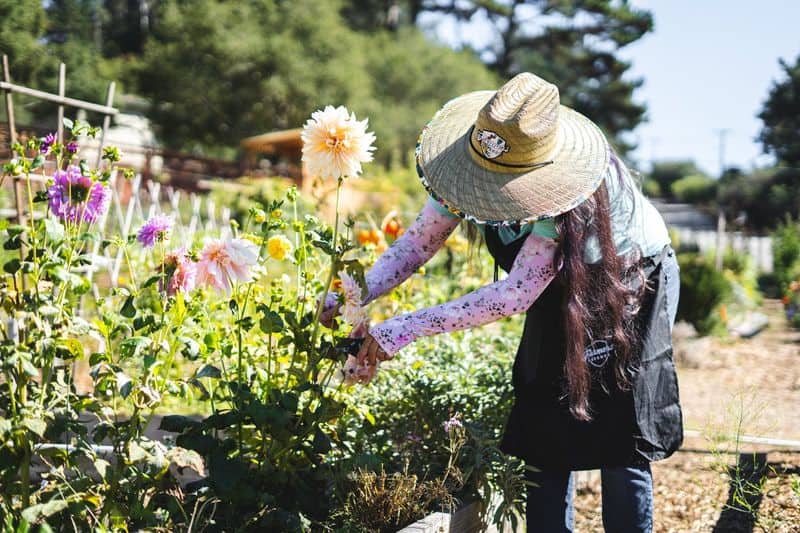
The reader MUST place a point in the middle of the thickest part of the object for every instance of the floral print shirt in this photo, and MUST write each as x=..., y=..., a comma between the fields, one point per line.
x=531, y=273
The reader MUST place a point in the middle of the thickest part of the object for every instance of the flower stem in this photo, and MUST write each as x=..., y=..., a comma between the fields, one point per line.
x=334, y=263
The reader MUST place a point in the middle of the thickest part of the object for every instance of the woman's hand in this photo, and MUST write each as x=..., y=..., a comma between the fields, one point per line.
x=371, y=352
x=330, y=311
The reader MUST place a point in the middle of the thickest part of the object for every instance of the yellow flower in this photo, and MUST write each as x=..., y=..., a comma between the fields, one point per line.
x=335, y=143
x=278, y=247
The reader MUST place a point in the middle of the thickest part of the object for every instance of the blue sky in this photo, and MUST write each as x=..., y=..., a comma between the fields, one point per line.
x=708, y=65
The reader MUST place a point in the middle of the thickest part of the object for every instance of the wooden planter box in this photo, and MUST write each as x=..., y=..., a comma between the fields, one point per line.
x=465, y=520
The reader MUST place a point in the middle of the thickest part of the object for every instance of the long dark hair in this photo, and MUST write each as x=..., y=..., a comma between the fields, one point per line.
x=599, y=298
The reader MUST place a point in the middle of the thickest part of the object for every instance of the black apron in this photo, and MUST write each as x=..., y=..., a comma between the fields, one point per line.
x=627, y=427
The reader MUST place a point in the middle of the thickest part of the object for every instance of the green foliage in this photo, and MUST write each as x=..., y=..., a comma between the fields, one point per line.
x=22, y=23
x=665, y=173
x=703, y=289
x=462, y=376
x=651, y=188
x=295, y=57
x=781, y=116
x=254, y=359
x=786, y=253
x=694, y=189
x=766, y=196
x=262, y=64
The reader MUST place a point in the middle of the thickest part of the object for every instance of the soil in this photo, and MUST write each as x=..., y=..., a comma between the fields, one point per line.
x=748, y=387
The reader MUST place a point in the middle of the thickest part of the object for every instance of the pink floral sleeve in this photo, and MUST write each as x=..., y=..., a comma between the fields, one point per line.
x=530, y=274
x=412, y=250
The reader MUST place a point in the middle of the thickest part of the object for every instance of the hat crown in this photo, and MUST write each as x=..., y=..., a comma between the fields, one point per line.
x=518, y=125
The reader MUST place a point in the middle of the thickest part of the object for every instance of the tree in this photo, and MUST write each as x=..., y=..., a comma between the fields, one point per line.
x=572, y=43
x=22, y=24
x=780, y=135
x=411, y=79
x=219, y=71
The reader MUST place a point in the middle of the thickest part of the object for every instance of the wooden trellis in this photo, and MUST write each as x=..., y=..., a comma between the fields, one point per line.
x=142, y=199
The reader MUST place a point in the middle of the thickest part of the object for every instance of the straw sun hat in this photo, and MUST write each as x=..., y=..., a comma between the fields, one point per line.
x=511, y=156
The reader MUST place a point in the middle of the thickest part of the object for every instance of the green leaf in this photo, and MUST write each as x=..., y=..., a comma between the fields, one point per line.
x=12, y=266
x=15, y=231
x=73, y=347
x=40, y=197
x=151, y=280
x=55, y=230
x=36, y=425
x=226, y=473
x=99, y=357
x=177, y=423
x=136, y=453
x=133, y=346
x=208, y=371
x=42, y=510
x=271, y=322
x=322, y=443
x=197, y=384
x=14, y=243
x=324, y=246
x=101, y=465
x=69, y=124
x=202, y=444
x=128, y=309
x=37, y=162
x=28, y=367
x=191, y=348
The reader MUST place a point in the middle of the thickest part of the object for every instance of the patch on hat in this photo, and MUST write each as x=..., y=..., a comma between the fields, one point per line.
x=492, y=144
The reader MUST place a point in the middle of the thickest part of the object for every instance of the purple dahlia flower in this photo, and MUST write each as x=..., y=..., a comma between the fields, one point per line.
x=47, y=143
x=155, y=230
x=75, y=197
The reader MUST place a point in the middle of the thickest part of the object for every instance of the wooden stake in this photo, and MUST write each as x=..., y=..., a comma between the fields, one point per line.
x=106, y=122
x=62, y=86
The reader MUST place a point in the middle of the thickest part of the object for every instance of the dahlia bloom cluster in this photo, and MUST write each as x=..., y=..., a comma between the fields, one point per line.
x=221, y=263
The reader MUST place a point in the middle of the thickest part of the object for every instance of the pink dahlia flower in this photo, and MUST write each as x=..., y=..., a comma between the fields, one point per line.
x=224, y=262
x=181, y=272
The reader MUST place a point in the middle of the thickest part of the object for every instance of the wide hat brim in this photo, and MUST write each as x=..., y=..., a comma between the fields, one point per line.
x=580, y=156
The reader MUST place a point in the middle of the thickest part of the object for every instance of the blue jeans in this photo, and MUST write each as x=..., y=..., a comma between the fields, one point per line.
x=627, y=491
x=627, y=500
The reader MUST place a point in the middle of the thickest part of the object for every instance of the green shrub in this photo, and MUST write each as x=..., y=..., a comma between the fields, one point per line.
x=694, y=189
x=651, y=188
x=703, y=289
x=786, y=253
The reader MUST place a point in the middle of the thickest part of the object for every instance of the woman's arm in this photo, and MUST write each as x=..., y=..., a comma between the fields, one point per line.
x=530, y=274
x=412, y=250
